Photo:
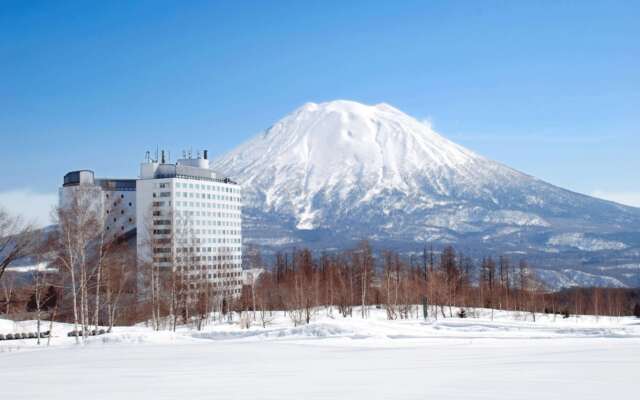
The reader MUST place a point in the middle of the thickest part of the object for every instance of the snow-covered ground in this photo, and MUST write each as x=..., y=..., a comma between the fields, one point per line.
x=507, y=357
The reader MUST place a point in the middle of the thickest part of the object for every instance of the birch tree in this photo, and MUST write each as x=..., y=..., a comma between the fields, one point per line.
x=79, y=226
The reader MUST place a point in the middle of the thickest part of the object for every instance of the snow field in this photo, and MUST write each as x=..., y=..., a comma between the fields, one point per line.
x=336, y=358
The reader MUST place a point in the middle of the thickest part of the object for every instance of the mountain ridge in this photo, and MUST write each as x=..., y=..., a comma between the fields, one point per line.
x=331, y=173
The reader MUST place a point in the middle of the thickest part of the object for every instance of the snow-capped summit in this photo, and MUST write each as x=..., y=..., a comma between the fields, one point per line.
x=334, y=172
x=343, y=151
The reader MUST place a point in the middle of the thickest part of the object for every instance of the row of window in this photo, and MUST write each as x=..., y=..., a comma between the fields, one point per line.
x=187, y=214
x=228, y=262
x=211, y=263
x=202, y=268
x=208, y=222
x=217, y=240
x=121, y=197
x=121, y=228
x=195, y=259
x=211, y=188
x=201, y=240
x=225, y=250
x=218, y=249
x=207, y=205
x=207, y=196
x=115, y=204
x=199, y=205
x=221, y=257
x=224, y=232
x=207, y=266
x=121, y=212
x=215, y=275
x=215, y=284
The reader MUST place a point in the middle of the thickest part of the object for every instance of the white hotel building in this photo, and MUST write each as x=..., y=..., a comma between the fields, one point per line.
x=185, y=217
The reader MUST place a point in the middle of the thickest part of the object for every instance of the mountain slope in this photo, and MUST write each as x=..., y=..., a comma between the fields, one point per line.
x=332, y=173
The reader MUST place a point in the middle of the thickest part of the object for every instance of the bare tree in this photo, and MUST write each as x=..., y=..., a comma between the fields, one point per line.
x=8, y=290
x=363, y=261
x=79, y=224
x=16, y=239
x=264, y=295
x=488, y=281
x=44, y=297
x=119, y=280
x=159, y=266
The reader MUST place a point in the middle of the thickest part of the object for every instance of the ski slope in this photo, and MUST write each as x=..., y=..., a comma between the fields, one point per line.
x=336, y=358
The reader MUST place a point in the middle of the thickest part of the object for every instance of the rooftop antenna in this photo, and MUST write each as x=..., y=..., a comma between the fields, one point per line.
x=156, y=160
x=162, y=159
x=184, y=154
x=147, y=156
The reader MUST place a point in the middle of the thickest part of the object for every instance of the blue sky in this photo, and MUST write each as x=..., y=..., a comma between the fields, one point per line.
x=549, y=88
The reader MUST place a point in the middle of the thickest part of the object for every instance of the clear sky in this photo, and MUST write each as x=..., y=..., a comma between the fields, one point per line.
x=551, y=88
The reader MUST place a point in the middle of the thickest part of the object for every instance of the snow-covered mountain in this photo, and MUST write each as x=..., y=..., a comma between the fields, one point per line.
x=333, y=173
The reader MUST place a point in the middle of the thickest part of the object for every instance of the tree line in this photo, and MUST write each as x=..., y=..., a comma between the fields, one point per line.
x=93, y=279
x=441, y=284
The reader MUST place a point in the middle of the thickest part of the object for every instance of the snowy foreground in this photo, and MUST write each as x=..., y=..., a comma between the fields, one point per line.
x=335, y=358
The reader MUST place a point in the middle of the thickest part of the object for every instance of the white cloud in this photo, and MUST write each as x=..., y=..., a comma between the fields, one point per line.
x=627, y=198
x=32, y=206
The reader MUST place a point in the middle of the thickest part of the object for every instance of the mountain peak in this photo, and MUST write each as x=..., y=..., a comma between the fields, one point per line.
x=347, y=106
x=332, y=173
x=372, y=171
x=347, y=150
x=343, y=106
x=348, y=117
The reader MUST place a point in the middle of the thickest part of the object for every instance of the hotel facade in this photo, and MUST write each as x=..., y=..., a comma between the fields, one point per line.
x=184, y=216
